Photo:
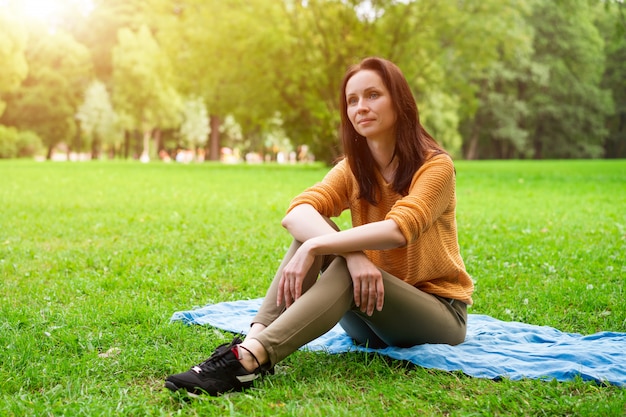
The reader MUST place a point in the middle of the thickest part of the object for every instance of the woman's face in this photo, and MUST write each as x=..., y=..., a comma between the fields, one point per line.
x=369, y=106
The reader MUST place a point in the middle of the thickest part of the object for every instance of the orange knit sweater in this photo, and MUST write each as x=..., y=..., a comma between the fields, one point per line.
x=431, y=260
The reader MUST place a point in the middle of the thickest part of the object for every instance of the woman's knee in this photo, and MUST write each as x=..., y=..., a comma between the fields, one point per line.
x=358, y=329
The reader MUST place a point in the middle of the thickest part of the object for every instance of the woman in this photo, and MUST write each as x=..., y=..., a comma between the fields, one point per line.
x=396, y=278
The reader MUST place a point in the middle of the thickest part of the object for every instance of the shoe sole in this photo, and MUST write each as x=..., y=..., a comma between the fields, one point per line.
x=175, y=389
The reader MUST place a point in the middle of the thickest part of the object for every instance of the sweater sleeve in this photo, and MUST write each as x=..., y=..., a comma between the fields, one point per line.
x=329, y=197
x=431, y=194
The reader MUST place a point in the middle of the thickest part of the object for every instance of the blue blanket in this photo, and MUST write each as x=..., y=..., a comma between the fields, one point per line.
x=493, y=349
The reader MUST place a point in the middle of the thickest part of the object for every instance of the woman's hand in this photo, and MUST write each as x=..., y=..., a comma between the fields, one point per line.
x=367, y=280
x=290, y=284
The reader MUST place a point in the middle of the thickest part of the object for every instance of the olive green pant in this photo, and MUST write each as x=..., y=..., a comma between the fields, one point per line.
x=409, y=316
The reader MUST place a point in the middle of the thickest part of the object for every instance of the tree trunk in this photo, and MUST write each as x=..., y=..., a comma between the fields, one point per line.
x=213, y=144
x=158, y=141
x=145, y=154
x=95, y=147
x=126, y=144
x=538, y=145
x=472, y=148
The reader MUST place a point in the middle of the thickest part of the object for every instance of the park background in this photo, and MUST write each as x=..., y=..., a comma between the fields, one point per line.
x=130, y=78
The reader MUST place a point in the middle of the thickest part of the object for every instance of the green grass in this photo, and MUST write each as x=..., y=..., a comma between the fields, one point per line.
x=95, y=257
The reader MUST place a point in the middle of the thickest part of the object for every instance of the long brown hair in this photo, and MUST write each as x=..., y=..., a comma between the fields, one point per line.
x=413, y=142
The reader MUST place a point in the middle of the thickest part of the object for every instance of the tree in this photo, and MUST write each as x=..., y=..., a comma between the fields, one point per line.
x=194, y=129
x=144, y=94
x=47, y=101
x=546, y=100
x=497, y=128
x=568, y=113
x=98, y=30
x=12, y=45
x=98, y=121
x=612, y=24
x=227, y=53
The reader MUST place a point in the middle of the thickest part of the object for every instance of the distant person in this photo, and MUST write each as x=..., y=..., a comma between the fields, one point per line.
x=396, y=278
x=165, y=157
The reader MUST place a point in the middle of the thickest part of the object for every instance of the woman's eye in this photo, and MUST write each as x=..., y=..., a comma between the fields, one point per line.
x=374, y=95
x=352, y=101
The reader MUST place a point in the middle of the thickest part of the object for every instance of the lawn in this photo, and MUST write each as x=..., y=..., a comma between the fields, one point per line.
x=95, y=257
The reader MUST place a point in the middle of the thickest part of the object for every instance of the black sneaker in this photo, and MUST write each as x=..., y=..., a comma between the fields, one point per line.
x=220, y=373
x=224, y=347
x=264, y=370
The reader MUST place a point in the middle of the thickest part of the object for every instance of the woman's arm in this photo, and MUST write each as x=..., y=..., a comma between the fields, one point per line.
x=303, y=222
x=380, y=235
x=306, y=225
x=319, y=238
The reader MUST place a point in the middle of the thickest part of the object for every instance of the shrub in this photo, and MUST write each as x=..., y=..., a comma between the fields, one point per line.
x=29, y=144
x=8, y=142
x=18, y=144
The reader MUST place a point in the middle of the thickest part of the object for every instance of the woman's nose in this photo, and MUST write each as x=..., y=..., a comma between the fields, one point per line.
x=361, y=107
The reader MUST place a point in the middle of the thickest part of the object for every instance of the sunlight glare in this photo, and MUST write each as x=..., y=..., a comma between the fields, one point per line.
x=41, y=9
x=49, y=11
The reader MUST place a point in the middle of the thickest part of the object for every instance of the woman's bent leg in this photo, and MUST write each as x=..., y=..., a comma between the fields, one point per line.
x=269, y=311
x=409, y=317
x=312, y=315
x=361, y=331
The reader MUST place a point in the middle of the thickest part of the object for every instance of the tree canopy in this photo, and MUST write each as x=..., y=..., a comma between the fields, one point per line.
x=493, y=79
x=12, y=46
x=59, y=71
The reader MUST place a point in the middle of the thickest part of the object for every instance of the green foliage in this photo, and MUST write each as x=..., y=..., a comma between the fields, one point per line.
x=8, y=142
x=613, y=28
x=571, y=109
x=230, y=54
x=440, y=115
x=95, y=258
x=98, y=121
x=194, y=130
x=98, y=31
x=546, y=100
x=144, y=94
x=142, y=76
x=19, y=144
x=47, y=101
x=12, y=45
x=493, y=79
x=325, y=37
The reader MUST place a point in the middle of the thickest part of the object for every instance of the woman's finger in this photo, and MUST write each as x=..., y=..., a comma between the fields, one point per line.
x=365, y=295
x=281, y=291
x=356, y=289
x=380, y=295
x=292, y=289
x=371, y=298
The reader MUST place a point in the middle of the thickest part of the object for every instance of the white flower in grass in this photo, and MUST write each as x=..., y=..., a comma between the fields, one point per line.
x=111, y=352
x=590, y=286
